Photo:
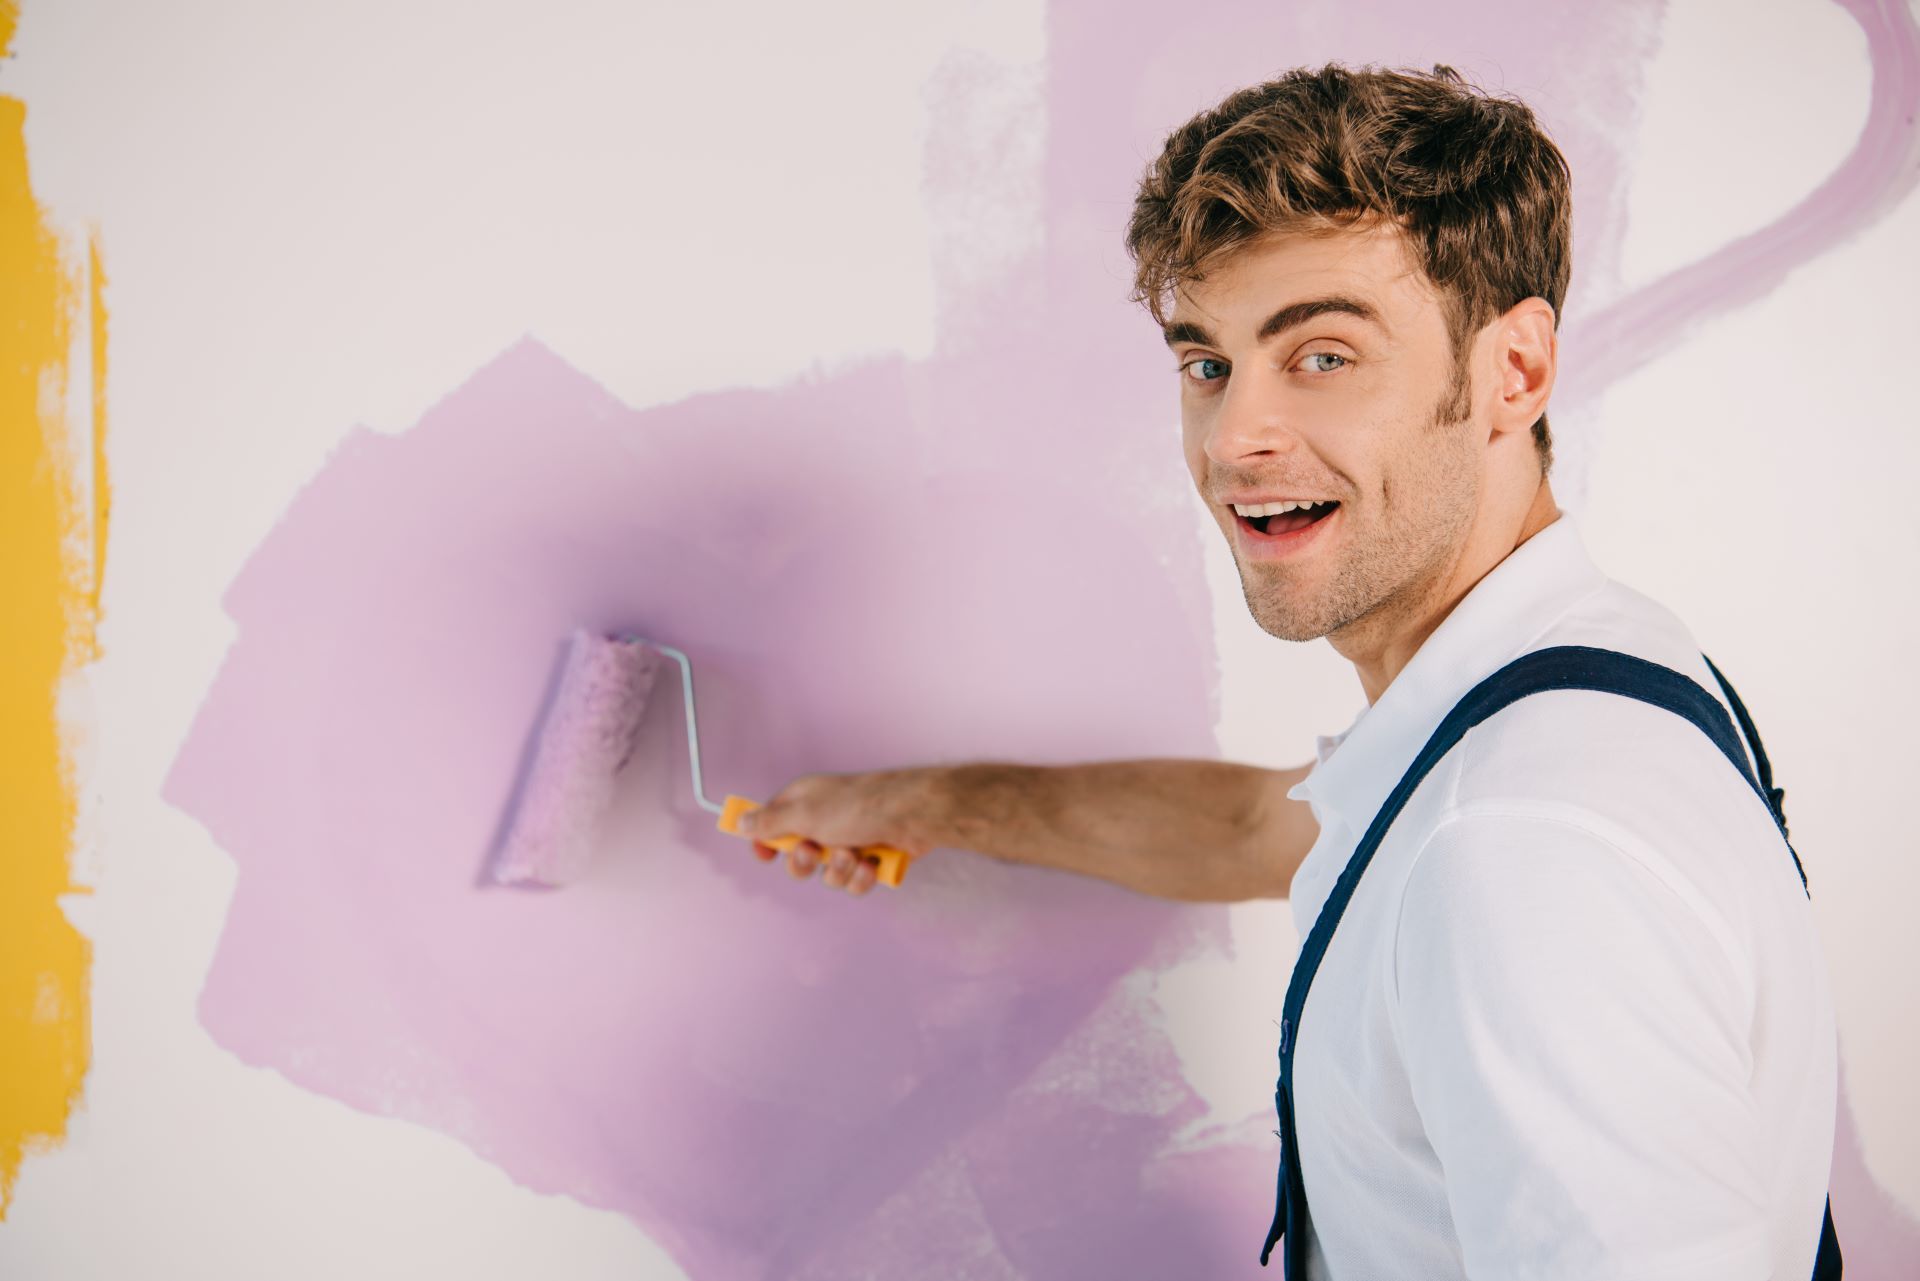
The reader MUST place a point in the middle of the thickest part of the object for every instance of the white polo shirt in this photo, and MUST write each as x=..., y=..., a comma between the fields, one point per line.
x=1575, y=1022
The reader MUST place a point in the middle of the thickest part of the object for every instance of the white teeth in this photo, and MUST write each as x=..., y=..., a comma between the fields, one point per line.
x=1275, y=509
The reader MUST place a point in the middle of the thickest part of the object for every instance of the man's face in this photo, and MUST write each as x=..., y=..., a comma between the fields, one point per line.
x=1319, y=369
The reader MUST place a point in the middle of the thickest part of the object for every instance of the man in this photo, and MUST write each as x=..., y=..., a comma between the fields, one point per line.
x=1573, y=1020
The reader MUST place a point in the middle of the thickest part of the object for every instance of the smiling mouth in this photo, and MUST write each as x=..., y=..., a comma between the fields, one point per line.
x=1288, y=522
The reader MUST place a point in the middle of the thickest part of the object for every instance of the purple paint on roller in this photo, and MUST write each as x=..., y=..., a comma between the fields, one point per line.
x=585, y=738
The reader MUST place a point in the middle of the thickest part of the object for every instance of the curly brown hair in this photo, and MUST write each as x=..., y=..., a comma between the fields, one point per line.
x=1472, y=180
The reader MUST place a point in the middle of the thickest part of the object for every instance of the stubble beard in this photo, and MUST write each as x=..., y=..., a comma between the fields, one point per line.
x=1390, y=563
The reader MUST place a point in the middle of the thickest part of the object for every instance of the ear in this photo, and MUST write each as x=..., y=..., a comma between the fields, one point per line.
x=1526, y=356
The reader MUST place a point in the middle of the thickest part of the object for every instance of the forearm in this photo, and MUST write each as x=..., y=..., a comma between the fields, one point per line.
x=1193, y=830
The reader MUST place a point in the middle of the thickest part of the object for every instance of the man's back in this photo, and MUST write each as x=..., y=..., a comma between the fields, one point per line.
x=1575, y=1021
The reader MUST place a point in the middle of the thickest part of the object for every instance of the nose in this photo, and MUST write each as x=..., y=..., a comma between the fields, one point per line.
x=1249, y=419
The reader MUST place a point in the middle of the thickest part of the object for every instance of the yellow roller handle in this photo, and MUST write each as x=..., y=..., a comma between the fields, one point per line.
x=892, y=862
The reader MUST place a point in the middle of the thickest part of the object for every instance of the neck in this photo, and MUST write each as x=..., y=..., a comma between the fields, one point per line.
x=1380, y=646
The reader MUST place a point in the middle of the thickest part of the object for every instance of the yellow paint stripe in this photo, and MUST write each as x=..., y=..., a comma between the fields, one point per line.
x=102, y=494
x=50, y=561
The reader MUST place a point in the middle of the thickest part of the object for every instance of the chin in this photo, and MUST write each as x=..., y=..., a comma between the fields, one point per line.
x=1293, y=629
x=1283, y=618
x=1289, y=624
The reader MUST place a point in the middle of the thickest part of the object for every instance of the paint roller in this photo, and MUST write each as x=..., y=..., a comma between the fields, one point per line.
x=586, y=736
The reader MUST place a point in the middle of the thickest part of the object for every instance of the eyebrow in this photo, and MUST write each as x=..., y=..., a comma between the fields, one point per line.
x=1288, y=317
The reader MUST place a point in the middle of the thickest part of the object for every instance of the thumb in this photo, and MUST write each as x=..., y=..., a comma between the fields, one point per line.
x=769, y=820
x=788, y=812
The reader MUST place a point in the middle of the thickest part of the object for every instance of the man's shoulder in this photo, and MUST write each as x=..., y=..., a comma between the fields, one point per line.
x=1619, y=617
x=1627, y=776
x=1596, y=751
x=1648, y=769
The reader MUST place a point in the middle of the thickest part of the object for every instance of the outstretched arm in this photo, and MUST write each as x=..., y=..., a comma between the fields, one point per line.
x=1193, y=830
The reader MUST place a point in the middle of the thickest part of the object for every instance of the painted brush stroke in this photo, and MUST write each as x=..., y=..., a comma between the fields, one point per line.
x=985, y=554
x=748, y=1068
x=1876, y=175
x=52, y=545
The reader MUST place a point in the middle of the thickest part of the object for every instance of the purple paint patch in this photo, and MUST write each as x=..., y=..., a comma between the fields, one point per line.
x=746, y=1066
x=898, y=564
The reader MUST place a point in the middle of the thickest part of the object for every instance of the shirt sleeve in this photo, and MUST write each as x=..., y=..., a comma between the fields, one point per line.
x=1576, y=1043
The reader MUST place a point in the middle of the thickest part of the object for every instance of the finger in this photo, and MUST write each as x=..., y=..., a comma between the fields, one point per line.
x=840, y=863
x=802, y=859
x=864, y=877
x=764, y=852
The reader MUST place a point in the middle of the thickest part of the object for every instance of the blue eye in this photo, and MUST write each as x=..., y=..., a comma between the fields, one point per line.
x=1218, y=368
x=1323, y=355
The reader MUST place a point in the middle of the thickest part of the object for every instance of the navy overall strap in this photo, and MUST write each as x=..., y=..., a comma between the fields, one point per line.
x=1562, y=667
x=1776, y=797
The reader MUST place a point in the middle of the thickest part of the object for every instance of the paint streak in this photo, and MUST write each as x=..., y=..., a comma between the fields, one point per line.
x=989, y=553
x=53, y=543
x=1876, y=175
x=102, y=491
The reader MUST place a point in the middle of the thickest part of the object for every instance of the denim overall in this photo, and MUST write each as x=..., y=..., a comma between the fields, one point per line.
x=1562, y=667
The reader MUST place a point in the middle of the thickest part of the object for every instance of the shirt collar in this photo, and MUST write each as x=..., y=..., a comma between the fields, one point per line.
x=1503, y=617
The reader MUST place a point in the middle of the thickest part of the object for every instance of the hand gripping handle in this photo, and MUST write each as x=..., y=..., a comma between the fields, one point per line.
x=892, y=862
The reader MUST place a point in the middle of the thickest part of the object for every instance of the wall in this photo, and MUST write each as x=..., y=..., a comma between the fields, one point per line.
x=800, y=339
